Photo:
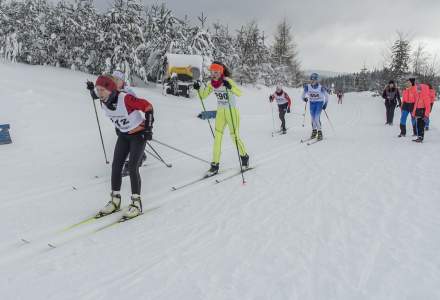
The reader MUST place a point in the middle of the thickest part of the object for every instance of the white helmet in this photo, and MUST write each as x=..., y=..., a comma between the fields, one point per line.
x=119, y=75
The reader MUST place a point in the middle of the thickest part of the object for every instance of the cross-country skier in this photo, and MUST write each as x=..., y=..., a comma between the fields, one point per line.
x=317, y=96
x=226, y=91
x=119, y=78
x=122, y=86
x=133, y=120
x=432, y=96
x=284, y=104
x=408, y=100
x=422, y=109
x=339, y=95
x=392, y=98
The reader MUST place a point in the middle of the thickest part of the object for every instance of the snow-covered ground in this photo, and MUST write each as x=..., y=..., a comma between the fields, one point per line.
x=354, y=217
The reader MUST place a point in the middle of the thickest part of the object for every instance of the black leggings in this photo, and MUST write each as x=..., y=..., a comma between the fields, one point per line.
x=282, y=109
x=133, y=145
x=390, y=106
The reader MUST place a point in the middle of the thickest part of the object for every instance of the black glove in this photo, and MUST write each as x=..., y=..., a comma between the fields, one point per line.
x=271, y=98
x=147, y=135
x=91, y=88
x=288, y=109
x=305, y=100
x=227, y=84
x=90, y=85
x=196, y=85
x=93, y=94
x=324, y=106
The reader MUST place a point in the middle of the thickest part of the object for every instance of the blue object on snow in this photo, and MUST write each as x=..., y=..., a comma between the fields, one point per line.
x=5, y=138
x=209, y=114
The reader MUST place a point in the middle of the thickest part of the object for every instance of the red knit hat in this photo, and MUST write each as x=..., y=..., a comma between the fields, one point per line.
x=106, y=82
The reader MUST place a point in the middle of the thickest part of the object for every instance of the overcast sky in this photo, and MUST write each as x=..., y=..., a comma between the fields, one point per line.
x=337, y=35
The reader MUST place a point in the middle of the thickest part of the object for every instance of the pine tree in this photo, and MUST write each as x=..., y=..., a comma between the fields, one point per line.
x=400, y=58
x=164, y=33
x=363, y=82
x=285, y=56
x=223, y=43
x=122, y=35
x=253, y=55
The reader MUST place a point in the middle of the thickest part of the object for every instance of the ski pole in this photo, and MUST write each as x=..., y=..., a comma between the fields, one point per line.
x=204, y=109
x=181, y=151
x=100, y=132
x=236, y=138
x=158, y=157
x=273, y=119
x=305, y=111
x=329, y=121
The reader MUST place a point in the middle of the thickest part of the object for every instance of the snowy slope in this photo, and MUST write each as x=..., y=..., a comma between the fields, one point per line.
x=353, y=217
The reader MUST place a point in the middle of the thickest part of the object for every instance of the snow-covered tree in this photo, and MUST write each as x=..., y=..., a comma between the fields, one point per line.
x=253, y=55
x=400, y=57
x=363, y=80
x=285, y=55
x=123, y=33
x=164, y=33
x=223, y=43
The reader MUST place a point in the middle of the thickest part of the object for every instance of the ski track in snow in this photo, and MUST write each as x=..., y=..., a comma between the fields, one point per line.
x=353, y=217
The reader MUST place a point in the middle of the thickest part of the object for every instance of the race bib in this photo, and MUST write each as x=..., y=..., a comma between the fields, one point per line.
x=222, y=97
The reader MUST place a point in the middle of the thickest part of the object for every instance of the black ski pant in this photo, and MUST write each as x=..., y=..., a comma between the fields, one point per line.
x=132, y=145
x=420, y=122
x=282, y=109
x=390, y=107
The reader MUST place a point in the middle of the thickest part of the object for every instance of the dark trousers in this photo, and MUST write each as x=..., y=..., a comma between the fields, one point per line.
x=282, y=109
x=420, y=127
x=390, y=107
x=420, y=122
x=134, y=147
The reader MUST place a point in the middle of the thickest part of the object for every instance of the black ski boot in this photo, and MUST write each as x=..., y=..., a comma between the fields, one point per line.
x=245, y=161
x=418, y=140
x=213, y=170
x=320, y=137
x=314, y=133
x=402, y=131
